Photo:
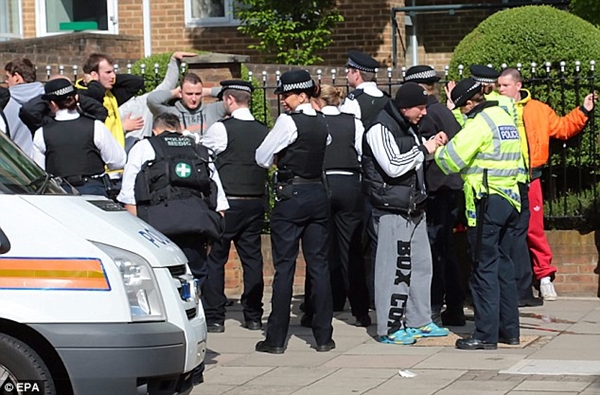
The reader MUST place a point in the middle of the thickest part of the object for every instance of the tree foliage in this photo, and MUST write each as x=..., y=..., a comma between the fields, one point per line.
x=586, y=9
x=289, y=32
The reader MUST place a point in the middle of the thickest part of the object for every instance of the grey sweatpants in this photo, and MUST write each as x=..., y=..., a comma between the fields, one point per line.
x=402, y=272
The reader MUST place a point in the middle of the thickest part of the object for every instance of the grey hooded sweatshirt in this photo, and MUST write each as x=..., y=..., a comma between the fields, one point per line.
x=197, y=121
x=20, y=94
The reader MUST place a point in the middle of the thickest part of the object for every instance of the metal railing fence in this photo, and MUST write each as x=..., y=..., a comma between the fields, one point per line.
x=570, y=180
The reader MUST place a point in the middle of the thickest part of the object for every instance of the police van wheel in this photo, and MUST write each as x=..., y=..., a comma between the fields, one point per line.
x=21, y=368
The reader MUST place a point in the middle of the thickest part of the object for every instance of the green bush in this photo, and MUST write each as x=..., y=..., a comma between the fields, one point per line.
x=153, y=78
x=575, y=210
x=540, y=34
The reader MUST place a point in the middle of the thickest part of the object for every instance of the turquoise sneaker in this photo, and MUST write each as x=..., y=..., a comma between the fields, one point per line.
x=429, y=330
x=399, y=337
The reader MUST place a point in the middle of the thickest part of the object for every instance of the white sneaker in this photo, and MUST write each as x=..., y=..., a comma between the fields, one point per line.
x=548, y=292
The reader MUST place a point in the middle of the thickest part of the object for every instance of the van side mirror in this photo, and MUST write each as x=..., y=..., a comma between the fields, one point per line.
x=4, y=242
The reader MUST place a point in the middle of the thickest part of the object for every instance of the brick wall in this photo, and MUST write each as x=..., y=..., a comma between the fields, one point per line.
x=367, y=26
x=575, y=256
x=29, y=29
x=71, y=49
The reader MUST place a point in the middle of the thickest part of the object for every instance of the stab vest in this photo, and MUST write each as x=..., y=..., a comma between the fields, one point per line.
x=369, y=105
x=70, y=148
x=239, y=173
x=179, y=170
x=304, y=157
x=340, y=153
x=403, y=193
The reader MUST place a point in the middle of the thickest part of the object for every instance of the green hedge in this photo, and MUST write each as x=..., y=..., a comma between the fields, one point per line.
x=544, y=34
x=152, y=79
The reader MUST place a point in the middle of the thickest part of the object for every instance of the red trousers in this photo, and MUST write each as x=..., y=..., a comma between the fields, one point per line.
x=539, y=249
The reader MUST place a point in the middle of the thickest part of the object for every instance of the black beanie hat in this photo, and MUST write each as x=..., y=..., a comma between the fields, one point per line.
x=410, y=94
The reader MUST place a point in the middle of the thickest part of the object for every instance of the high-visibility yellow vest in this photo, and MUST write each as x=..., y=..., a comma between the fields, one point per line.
x=489, y=141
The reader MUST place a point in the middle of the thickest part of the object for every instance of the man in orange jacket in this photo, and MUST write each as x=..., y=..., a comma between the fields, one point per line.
x=540, y=123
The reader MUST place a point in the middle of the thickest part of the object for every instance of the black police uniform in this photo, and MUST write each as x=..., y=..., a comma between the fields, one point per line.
x=167, y=198
x=369, y=107
x=244, y=184
x=300, y=213
x=347, y=205
x=443, y=192
x=298, y=140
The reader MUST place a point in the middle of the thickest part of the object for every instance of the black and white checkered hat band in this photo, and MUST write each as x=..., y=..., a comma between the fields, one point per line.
x=423, y=75
x=62, y=91
x=296, y=86
x=238, y=87
x=471, y=89
x=357, y=66
x=484, y=80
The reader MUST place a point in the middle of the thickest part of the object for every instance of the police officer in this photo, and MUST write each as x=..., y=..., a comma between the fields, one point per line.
x=347, y=203
x=170, y=183
x=442, y=206
x=73, y=146
x=366, y=99
x=234, y=141
x=519, y=254
x=487, y=153
x=393, y=158
x=298, y=140
x=364, y=102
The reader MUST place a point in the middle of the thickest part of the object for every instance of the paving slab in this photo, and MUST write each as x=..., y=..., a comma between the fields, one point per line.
x=541, y=393
x=555, y=367
x=335, y=386
x=460, y=359
x=478, y=387
x=566, y=386
x=234, y=375
x=292, y=376
x=375, y=361
x=569, y=346
x=425, y=382
x=289, y=358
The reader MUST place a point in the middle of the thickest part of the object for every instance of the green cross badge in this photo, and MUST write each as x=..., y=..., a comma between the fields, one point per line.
x=183, y=170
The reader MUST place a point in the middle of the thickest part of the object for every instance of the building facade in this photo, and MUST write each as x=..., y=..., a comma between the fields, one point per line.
x=426, y=35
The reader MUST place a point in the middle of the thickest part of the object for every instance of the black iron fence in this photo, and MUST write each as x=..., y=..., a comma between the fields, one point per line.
x=569, y=181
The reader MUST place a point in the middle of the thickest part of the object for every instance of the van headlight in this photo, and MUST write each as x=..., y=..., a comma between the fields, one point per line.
x=143, y=294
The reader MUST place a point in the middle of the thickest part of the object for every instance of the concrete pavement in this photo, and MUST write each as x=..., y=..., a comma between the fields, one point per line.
x=559, y=355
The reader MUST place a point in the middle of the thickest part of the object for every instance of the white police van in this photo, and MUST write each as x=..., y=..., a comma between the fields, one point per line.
x=93, y=301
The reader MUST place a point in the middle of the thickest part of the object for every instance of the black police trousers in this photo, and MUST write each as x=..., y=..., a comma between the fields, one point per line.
x=493, y=284
x=345, y=258
x=243, y=225
x=446, y=285
x=301, y=217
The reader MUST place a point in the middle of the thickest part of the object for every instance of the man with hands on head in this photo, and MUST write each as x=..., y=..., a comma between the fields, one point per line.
x=194, y=115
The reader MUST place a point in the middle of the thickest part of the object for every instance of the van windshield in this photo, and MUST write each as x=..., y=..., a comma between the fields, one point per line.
x=21, y=175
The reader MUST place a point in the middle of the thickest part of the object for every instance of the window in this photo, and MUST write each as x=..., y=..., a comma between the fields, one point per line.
x=10, y=19
x=211, y=13
x=56, y=16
